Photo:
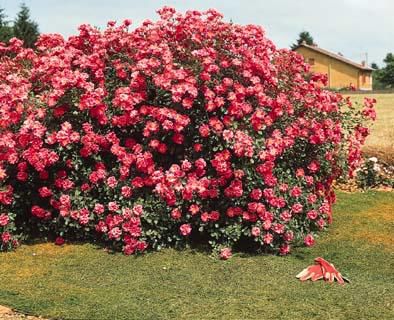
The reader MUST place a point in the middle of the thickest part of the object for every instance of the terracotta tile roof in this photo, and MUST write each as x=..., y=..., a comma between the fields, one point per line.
x=335, y=56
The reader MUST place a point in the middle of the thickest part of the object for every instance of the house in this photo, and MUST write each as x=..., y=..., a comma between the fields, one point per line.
x=341, y=72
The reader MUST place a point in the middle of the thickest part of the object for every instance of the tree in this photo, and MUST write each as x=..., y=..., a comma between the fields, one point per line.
x=5, y=30
x=25, y=28
x=304, y=36
x=376, y=83
x=389, y=58
x=386, y=74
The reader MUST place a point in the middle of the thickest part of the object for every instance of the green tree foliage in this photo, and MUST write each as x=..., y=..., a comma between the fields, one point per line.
x=386, y=74
x=376, y=84
x=25, y=28
x=304, y=36
x=5, y=30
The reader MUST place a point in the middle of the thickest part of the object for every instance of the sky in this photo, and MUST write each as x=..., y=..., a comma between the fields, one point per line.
x=358, y=29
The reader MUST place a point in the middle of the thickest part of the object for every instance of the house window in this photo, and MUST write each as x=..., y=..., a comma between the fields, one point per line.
x=311, y=61
x=364, y=79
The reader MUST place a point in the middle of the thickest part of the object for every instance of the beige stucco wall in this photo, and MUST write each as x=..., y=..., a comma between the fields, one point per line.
x=340, y=74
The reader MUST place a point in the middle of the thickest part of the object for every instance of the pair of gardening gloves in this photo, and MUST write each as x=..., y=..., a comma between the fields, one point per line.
x=322, y=269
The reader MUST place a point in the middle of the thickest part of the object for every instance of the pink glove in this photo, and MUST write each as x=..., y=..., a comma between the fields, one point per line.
x=314, y=272
x=329, y=271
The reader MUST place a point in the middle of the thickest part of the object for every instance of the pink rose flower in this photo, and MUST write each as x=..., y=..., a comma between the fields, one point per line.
x=314, y=166
x=285, y=216
x=126, y=191
x=214, y=215
x=309, y=240
x=185, y=229
x=288, y=236
x=256, y=231
x=321, y=223
x=4, y=219
x=297, y=208
x=295, y=192
x=176, y=214
x=205, y=217
x=194, y=209
x=256, y=194
x=225, y=253
x=115, y=233
x=284, y=249
x=112, y=182
x=137, y=210
x=312, y=214
x=5, y=237
x=98, y=208
x=113, y=206
x=267, y=238
x=204, y=130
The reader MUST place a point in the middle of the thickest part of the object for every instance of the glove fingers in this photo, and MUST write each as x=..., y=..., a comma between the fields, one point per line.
x=328, y=267
x=302, y=273
x=328, y=276
x=321, y=261
x=306, y=276
x=312, y=272
x=339, y=278
x=316, y=276
x=325, y=264
x=326, y=270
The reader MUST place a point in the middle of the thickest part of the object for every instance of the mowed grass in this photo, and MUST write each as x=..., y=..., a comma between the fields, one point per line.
x=381, y=140
x=84, y=282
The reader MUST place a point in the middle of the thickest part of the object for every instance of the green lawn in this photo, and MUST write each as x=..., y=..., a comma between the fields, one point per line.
x=84, y=282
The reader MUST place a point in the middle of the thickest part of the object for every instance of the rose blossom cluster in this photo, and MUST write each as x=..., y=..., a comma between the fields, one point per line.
x=181, y=128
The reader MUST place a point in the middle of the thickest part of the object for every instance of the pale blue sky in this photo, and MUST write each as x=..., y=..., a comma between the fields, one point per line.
x=351, y=27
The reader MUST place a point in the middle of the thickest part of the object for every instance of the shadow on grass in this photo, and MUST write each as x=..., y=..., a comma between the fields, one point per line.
x=198, y=243
x=245, y=247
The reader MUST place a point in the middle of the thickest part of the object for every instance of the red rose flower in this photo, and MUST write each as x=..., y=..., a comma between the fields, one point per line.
x=59, y=241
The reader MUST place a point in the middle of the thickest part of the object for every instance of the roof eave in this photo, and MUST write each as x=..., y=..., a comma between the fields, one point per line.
x=332, y=55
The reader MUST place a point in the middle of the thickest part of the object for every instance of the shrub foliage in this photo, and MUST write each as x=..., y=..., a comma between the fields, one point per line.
x=188, y=127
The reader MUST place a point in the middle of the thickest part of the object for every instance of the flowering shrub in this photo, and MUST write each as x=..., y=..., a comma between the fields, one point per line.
x=373, y=173
x=189, y=127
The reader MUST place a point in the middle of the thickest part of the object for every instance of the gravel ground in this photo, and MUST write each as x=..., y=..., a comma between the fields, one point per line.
x=8, y=314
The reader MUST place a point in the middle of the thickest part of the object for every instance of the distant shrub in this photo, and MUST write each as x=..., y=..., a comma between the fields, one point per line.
x=189, y=127
x=373, y=173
